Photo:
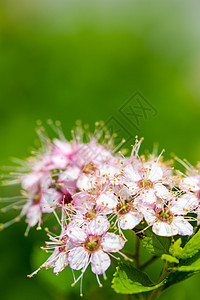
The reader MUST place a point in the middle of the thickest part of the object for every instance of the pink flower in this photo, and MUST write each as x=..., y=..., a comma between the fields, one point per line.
x=124, y=206
x=169, y=218
x=146, y=180
x=92, y=245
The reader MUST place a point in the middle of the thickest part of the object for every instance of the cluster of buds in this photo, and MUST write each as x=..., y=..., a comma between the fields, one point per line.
x=96, y=194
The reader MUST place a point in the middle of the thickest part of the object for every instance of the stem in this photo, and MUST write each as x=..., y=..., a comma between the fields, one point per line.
x=129, y=254
x=148, y=262
x=137, y=252
x=163, y=275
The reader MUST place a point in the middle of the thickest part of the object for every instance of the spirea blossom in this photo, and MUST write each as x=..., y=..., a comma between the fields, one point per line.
x=96, y=194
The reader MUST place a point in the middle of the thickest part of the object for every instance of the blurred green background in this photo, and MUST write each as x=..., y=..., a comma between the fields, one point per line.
x=68, y=60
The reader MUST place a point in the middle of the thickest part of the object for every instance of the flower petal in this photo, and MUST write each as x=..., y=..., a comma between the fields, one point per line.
x=78, y=258
x=98, y=225
x=155, y=171
x=107, y=201
x=130, y=220
x=148, y=197
x=60, y=263
x=183, y=226
x=83, y=201
x=149, y=214
x=190, y=183
x=34, y=215
x=184, y=204
x=131, y=174
x=161, y=191
x=112, y=242
x=76, y=234
x=100, y=262
x=164, y=229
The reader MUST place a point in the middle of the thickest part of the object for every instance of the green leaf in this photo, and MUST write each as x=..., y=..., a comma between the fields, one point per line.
x=189, y=265
x=128, y=280
x=176, y=249
x=155, y=244
x=169, y=258
x=190, y=249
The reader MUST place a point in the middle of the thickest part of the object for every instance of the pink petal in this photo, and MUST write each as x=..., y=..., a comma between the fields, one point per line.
x=183, y=226
x=98, y=225
x=100, y=262
x=76, y=234
x=112, y=242
x=130, y=220
x=164, y=229
x=78, y=258
x=60, y=263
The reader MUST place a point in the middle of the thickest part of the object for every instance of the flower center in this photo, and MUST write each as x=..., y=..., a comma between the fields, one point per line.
x=67, y=198
x=92, y=243
x=145, y=183
x=164, y=214
x=89, y=168
x=36, y=198
x=90, y=214
x=123, y=208
x=63, y=243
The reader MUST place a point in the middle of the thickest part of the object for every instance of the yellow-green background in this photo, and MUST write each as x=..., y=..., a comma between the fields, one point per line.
x=68, y=60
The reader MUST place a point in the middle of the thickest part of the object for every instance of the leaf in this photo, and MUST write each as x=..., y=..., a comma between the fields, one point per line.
x=189, y=265
x=155, y=244
x=169, y=258
x=190, y=249
x=177, y=277
x=128, y=280
x=176, y=249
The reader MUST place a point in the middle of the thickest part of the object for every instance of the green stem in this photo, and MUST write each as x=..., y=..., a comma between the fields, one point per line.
x=137, y=252
x=163, y=275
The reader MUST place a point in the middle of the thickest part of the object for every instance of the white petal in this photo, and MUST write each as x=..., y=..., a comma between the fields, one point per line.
x=61, y=262
x=76, y=234
x=161, y=191
x=100, y=262
x=164, y=229
x=112, y=242
x=34, y=215
x=129, y=220
x=183, y=226
x=149, y=214
x=83, y=202
x=190, y=183
x=155, y=172
x=148, y=196
x=29, y=180
x=131, y=173
x=59, y=161
x=98, y=225
x=184, y=204
x=49, y=200
x=125, y=194
x=85, y=182
x=78, y=258
x=63, y=146
x=107, y=201
x=71, y=174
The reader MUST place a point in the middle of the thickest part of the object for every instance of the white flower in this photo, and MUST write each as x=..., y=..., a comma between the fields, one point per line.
x=146, y=180
x=168, y=219
x=92, y=244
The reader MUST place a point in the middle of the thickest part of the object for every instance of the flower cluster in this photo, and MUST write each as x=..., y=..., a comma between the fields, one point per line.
x=96, y=194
